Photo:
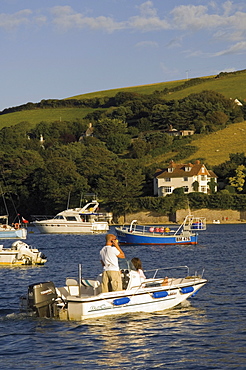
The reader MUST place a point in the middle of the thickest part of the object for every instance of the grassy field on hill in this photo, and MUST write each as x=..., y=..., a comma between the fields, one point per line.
x=46, y=115
x=233, y=86
x=213, y=149
x=230, y=85
x=216, y=147
x=142, y=89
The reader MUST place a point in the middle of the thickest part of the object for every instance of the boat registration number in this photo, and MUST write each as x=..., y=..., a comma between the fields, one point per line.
x=183, y=239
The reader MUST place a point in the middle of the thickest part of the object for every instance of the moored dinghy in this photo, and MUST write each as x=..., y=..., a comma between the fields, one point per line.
x=81, y=299
x=15, y=231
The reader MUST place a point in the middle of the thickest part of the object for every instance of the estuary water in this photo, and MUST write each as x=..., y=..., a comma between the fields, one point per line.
x=208, y=333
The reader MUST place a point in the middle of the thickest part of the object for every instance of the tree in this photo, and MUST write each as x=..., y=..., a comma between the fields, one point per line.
x=54, y=183
x=105, y=127
x=238, y=180
x=195, y=185
x=118, y=143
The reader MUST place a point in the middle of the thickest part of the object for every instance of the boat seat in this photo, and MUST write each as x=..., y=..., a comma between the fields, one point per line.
x=90, y=283
x=73, y=286
x=134, y=280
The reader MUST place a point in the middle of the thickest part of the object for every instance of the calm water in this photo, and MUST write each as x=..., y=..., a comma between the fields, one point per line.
x=210, y=333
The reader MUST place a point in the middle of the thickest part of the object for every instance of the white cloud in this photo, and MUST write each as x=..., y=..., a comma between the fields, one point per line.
x=195, y=17
x=11, y=21
x=65, y=18
x=147, y=44
x=238, y=48
x=148, y=19
x=175, y=42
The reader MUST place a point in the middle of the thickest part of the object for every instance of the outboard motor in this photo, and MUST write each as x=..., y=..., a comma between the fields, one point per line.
x=42, y=299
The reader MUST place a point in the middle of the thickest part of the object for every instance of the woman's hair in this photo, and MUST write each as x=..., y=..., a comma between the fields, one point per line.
x=137, y=263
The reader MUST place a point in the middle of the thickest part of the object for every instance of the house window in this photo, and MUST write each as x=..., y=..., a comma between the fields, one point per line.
x=168, y=179
x=185, y=178
x=186, y=189
x=170, y=169
x=203, y=189
x=167, y=189
x=203, y=178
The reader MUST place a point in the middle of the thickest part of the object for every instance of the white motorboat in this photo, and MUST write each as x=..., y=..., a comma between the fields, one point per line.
x=216, y=221
x=82, y=298
x=21, y=253
x=76, y=221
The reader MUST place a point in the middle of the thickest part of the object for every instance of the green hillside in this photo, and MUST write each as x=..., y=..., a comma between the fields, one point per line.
x=231, y=85
x=213, y=148
x=47, y=115
x=216, y=147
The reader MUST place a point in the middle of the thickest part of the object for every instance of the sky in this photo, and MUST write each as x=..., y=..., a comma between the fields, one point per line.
x=54, y=49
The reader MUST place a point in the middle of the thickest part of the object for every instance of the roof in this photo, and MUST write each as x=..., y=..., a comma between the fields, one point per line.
x=184, y=170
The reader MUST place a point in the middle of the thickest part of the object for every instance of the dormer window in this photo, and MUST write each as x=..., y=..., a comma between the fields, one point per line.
x=170, y=169
x=187, y=169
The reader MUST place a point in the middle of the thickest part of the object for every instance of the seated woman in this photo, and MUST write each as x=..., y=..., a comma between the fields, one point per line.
x=138, y=266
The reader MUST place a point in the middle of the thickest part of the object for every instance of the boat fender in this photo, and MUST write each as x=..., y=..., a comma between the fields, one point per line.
x=160, y=294
x=151, y=229
x=120, y=301
x=157, y=230
x=186, y=290
x=16, y=226
x=195, y=293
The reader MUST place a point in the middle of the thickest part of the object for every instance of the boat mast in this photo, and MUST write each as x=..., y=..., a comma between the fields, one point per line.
x=68, y=199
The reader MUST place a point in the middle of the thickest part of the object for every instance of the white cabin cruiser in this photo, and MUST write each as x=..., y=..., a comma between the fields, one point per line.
x=82, y=299
x=76, y=221
x=19, y=254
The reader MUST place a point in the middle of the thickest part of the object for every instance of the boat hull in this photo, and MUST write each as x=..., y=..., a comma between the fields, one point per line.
x=46, y=227
x=138, y=301
x=13, y=234
x=150, y=238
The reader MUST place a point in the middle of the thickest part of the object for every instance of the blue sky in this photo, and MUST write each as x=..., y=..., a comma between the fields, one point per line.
x=60, y=48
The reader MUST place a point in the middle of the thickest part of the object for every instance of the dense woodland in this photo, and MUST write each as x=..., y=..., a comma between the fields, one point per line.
x=116, y=162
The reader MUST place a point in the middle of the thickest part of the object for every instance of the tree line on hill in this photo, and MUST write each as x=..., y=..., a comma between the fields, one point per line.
x=117, y=162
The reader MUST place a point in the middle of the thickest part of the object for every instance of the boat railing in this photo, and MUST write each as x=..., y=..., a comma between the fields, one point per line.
x=148, y=229
x=194, y=223
x=156, y=271
x=41, y=217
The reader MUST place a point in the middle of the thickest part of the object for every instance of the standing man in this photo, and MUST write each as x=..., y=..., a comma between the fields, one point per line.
x=111, y=277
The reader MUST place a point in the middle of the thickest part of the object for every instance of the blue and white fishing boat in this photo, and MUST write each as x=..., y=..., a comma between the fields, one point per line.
x=82, y=298
x=186, y=233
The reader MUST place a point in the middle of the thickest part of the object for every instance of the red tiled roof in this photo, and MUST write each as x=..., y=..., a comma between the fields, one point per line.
x=181, y=170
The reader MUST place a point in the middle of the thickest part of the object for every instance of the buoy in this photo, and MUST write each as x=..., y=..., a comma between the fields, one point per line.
x=151, y=229
x=188, y=289
x=160, y=294
x=120, y=301
x=161, y=229
x=157, y=229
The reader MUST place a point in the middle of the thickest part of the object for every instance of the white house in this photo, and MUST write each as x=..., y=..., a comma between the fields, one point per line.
x=192, y=177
